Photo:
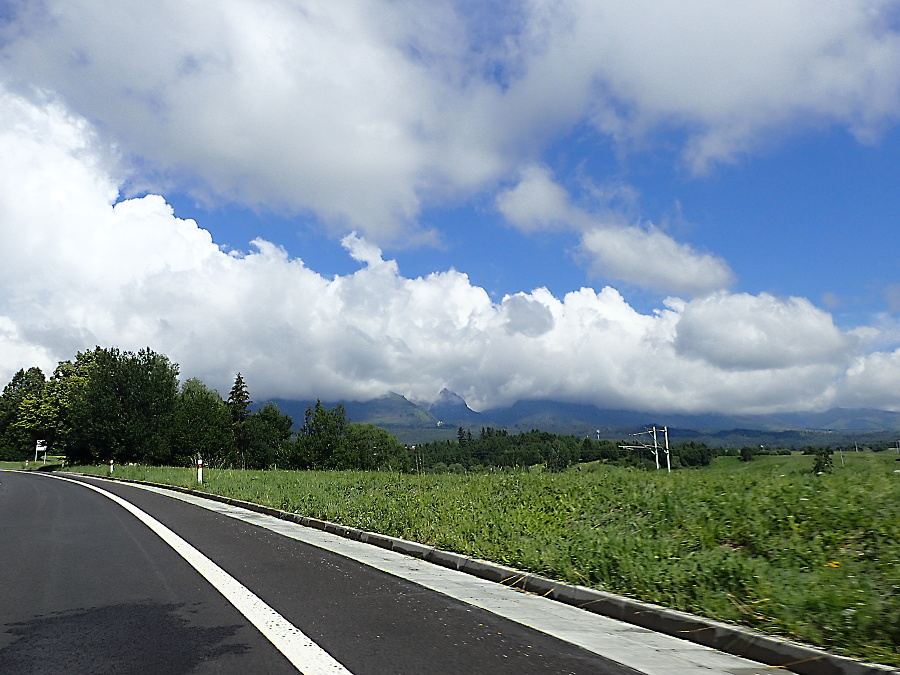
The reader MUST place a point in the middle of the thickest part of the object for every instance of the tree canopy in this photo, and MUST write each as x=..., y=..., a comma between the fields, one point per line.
x=124, y=406
x=16, y=438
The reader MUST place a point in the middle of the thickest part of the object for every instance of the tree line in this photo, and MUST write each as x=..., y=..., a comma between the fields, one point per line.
x=497, y=448
x=125, y=406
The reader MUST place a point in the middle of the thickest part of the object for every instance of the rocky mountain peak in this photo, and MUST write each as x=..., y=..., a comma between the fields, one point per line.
x=447, y=397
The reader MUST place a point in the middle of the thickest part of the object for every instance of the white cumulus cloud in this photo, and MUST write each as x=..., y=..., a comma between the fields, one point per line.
x=757, y=332
x=642, y=255
x=365, y=111
x=648, y=257
x=84, y=267
x=730, y=76
x=345, y=110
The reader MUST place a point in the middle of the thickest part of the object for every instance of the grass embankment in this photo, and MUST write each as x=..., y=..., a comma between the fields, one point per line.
x=52, y=464
x=765, y=544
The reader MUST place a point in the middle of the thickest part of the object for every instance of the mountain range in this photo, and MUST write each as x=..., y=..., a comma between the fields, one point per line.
x=420, y=422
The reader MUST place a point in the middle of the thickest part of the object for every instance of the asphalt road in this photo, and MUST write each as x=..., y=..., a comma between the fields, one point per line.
x=88, y=588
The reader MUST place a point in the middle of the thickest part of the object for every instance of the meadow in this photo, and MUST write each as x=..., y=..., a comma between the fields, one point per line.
x=766, y=544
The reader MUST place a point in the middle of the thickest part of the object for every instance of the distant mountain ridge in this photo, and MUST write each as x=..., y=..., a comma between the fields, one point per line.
x=419, y=422
x=453, y=408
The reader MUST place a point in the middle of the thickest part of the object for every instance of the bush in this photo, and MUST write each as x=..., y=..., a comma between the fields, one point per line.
x=824, y=462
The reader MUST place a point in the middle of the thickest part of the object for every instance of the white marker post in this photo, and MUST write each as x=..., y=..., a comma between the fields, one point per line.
x=110, y=466
x=199, y=469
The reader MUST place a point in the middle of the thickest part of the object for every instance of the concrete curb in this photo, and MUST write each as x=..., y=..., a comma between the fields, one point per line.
x=781, y=653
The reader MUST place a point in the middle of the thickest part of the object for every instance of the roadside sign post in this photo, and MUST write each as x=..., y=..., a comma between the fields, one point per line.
x=40, y=446
x=110, y=466
x=199, y=469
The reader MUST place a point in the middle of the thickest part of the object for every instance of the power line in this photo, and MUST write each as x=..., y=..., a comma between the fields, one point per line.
x=652, y=431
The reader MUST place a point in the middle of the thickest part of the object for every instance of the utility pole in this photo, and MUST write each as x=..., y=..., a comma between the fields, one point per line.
x=655, y=447
x=668, y=460
x=665, y=430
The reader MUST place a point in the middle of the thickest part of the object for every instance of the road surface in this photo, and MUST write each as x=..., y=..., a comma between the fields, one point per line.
x=90, y=586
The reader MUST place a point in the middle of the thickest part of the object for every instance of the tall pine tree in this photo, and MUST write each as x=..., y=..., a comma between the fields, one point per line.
x=239, y=405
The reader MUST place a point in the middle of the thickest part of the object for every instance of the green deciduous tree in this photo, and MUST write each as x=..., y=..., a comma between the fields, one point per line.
x=48, y=415
x=123, y=410
x=268, y=432
x=317, y=443
x=558, y=455
x=366, y=447
x=201, y=426
x=323, y=432
x=44, y=414
x=694, y=454
x=16, y=438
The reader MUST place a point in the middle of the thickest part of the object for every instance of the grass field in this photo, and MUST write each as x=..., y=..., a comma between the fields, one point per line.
x=765, y=544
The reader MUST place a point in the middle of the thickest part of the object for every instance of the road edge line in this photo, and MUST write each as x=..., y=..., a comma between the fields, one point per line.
x=307, y=656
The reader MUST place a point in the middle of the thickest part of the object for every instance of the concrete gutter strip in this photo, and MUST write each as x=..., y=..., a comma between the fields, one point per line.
x=781, y=653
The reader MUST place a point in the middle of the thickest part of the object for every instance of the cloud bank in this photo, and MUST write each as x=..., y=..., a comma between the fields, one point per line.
x=361, y=114
x=363, y=111
x=84, y=267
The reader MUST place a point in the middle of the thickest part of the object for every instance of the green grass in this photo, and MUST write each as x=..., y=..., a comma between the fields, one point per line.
x=765, y=544
x=31, y=465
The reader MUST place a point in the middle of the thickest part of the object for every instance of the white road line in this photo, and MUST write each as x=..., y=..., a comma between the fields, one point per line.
x=308, y=657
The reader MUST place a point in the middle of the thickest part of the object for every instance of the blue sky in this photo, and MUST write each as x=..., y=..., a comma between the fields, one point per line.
x=817, y=216
x=663, y=206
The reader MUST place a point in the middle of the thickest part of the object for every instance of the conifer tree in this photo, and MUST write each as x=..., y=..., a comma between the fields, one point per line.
x=239, y=400
x=239, y=405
